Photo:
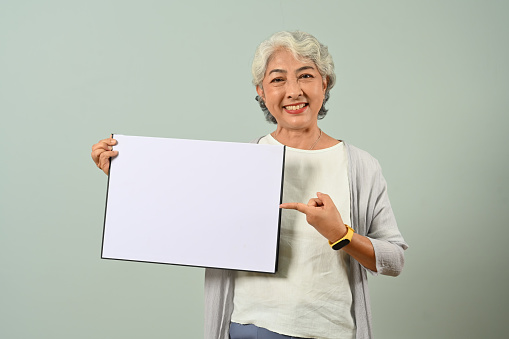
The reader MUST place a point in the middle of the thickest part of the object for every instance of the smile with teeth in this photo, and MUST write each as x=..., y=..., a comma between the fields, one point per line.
x=295, y=107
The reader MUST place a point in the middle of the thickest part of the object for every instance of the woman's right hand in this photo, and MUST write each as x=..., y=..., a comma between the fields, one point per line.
x=102, y=152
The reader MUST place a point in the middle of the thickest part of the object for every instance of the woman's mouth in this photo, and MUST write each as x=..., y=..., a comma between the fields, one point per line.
x=296, y=109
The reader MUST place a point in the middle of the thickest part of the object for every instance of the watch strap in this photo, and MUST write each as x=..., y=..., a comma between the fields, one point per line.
x=343, y=241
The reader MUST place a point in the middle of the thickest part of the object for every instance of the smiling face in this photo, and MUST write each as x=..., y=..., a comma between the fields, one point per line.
x=293, y=91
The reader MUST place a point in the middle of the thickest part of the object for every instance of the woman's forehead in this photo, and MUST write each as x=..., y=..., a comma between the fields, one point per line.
x=286, y=61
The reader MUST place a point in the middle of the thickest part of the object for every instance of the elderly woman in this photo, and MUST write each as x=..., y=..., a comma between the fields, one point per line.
x=327, y=246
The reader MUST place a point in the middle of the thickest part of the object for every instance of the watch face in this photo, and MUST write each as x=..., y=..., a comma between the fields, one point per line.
x=341, y=244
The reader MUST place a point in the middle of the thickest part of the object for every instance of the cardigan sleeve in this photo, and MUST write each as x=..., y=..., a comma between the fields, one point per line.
x=373, y=215
x=383, y=231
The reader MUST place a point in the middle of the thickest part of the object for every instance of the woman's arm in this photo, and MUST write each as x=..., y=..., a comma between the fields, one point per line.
x=362, y=250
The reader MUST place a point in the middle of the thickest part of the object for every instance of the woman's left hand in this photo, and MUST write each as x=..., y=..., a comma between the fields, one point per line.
x=323, y=215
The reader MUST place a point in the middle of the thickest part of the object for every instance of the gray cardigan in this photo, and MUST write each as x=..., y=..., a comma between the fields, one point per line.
x=371, y=216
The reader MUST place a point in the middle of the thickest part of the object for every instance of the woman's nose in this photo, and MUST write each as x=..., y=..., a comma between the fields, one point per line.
x=293, y=89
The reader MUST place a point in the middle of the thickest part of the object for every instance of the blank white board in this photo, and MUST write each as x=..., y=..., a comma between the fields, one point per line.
x=194, y=203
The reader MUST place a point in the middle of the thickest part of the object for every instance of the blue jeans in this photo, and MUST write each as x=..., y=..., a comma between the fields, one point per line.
x=238, y=331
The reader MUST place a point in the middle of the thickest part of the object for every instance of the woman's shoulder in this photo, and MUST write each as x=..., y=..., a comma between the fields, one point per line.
x=364, y=170
x=359, y=156
x=255, y=141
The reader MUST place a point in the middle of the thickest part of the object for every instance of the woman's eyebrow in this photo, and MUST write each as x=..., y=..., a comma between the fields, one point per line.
x=303, y=68
x=277, y=70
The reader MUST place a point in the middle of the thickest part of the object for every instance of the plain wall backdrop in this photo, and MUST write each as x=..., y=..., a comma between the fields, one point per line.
x=422, y=85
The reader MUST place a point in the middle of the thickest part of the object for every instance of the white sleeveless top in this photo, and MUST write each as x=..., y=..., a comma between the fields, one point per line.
x=310, y=295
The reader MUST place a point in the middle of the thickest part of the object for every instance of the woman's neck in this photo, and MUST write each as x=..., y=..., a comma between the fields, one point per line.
x=303, y=138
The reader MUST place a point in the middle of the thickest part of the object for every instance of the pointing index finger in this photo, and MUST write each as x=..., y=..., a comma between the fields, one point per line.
x=294, y=206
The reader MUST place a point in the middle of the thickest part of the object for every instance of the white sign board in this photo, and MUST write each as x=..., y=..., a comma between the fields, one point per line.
x=194, y=203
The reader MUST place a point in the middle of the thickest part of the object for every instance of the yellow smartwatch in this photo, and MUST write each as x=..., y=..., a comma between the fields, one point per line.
x=343, y=241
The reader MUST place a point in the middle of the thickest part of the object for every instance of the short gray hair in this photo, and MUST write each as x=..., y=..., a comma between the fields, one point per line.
x=303, y=46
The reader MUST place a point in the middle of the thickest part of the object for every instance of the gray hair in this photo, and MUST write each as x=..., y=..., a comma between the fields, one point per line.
x=303, y=46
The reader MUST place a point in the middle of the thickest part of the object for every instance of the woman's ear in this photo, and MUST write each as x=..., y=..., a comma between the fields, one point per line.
x=259, y=90
x=324, y=83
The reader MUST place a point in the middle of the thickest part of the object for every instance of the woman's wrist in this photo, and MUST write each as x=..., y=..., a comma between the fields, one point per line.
x=340, y=233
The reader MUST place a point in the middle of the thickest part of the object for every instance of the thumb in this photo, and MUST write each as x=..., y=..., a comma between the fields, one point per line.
x=326, y=199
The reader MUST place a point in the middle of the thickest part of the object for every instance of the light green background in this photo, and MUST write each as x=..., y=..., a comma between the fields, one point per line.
x=422, y=85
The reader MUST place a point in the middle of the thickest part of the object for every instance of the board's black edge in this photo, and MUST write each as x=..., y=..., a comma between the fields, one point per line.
x=280, y=209
x=106, y=205
x=184, y=265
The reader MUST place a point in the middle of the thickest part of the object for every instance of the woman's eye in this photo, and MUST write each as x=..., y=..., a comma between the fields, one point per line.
x=306, y=76
x=277, y=80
